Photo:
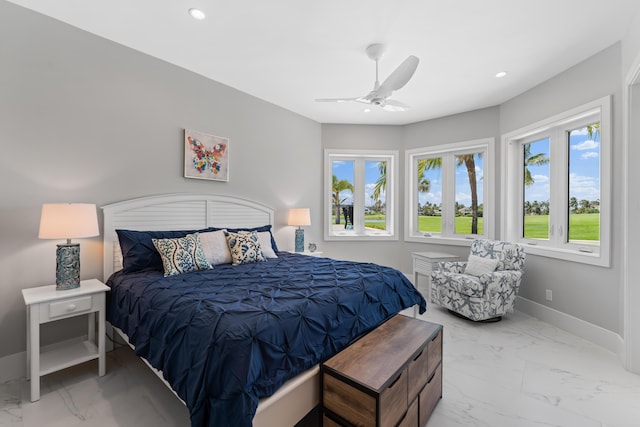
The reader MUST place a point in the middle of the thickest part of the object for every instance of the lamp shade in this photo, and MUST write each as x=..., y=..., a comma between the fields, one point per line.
x=299, y=216
x=68, y=221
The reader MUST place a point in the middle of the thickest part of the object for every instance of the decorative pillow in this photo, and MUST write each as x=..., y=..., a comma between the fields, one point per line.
x=181, y=254
x=244, y=247
x=257, y=229
x=477, y=266
x=264, y=237
x=138, y=251
x=215, y=247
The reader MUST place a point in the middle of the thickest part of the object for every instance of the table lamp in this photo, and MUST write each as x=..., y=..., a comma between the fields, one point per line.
x=299, y=217
x=68, y=221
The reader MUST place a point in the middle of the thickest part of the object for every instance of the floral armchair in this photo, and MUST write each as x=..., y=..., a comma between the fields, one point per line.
x=485, y=287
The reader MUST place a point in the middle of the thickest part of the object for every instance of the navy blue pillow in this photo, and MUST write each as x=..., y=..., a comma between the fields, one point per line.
x=139, y=253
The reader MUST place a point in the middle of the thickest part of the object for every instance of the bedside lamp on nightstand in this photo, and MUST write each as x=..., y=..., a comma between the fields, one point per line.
x=68, y=221
x=299, y=217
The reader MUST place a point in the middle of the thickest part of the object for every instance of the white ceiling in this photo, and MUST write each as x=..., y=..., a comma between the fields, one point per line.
x=290, y=52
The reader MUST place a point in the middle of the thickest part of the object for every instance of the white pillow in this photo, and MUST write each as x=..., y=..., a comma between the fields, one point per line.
x=477, y=266
x=264, y=238
x=215, y=247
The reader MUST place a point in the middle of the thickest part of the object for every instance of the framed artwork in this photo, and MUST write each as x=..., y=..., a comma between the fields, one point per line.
x=206, y=156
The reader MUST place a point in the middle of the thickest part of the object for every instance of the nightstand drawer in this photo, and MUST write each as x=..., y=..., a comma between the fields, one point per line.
x=69, y=306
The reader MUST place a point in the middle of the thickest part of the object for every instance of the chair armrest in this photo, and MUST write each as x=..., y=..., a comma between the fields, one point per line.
x=452, y=266
x=501, y=281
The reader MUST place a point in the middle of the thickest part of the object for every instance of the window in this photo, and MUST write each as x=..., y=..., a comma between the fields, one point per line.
x=360, y=194
x=449, y=191
x=557, y=185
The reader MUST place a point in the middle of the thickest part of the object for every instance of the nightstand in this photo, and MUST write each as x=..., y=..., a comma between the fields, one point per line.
x=424, y=263
x=46, y=304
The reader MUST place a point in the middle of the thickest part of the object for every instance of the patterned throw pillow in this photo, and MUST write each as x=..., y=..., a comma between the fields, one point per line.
x=181, y=255
x=245, y=247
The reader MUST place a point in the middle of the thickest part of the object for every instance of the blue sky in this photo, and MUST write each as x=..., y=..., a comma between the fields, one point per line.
x=584, y=168
x=584, y=174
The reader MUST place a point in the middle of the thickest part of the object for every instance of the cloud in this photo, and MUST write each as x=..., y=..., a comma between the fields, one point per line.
x=539, y=179
x=584, y=187
x=589, y=144
x=589, y=155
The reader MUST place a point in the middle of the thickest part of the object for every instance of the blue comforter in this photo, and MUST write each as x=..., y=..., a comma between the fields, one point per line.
x=226, y=337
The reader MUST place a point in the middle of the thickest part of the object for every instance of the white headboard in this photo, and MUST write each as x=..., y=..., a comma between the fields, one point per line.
x=176, y=212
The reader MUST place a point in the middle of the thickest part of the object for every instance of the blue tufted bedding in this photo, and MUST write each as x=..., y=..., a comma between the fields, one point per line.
x=226, y=337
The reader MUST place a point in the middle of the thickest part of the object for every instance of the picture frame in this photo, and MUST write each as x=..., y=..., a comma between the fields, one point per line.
x=206, y=156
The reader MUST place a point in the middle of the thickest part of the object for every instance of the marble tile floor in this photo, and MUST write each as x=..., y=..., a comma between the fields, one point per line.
x=519, y=372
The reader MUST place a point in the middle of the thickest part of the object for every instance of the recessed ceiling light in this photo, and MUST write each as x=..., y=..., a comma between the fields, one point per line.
x=501, y=74
x=197, y=14
x=367, y=110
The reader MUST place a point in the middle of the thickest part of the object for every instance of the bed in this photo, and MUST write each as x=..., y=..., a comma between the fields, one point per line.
x=240, y=344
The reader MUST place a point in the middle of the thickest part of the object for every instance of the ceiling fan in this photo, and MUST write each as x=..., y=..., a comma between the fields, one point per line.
x=381, y=92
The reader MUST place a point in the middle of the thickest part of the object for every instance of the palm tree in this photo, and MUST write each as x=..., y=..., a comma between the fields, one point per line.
x=534, y=160
x=337, y=186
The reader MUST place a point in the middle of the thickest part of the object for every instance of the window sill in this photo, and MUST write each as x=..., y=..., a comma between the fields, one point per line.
x=595, y=258
x=350, y=235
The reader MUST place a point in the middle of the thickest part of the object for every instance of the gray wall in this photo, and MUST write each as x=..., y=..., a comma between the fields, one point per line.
x=83, y=119
x=586, y=292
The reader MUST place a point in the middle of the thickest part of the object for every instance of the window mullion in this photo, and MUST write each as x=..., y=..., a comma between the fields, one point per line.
x=448, y=194
x=358, y=196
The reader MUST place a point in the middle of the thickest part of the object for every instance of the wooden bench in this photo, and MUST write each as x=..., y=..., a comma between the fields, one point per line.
x=390, y=377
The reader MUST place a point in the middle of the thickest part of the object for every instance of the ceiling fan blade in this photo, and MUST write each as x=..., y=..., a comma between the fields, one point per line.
x=399, y=77
x=393, y=105
x=336, y=99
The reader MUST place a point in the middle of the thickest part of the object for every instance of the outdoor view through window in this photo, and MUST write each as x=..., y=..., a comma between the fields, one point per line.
x=581, y=201
x=467, y=196
x=373, y=191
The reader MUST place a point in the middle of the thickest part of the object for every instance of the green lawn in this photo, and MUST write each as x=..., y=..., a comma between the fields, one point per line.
x=433, y=224
x=581, y=227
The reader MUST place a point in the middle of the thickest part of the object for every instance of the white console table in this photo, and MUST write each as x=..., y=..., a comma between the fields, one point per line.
x=424, y=263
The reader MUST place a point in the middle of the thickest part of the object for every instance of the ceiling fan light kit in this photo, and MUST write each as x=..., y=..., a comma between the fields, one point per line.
x=380, y=94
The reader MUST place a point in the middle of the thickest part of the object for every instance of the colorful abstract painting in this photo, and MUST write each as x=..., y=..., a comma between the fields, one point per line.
x=206, y=156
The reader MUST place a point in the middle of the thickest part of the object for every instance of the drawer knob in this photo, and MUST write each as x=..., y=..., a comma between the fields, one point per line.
x=71, y=307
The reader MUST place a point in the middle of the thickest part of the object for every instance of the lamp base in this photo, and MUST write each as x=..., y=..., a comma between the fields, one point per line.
x=299, y=240
x=68, y=266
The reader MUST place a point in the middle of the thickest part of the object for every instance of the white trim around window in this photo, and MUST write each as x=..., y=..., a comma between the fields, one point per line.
x=485, y=147
x=360, y=159
x=512, y=190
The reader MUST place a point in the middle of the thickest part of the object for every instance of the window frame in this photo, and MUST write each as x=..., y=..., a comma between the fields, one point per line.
x=486, y=146
x=391, y=194
x=512, y=191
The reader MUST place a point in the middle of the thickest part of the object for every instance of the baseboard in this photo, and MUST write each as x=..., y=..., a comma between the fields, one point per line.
x=590, y=332
x=13, y=366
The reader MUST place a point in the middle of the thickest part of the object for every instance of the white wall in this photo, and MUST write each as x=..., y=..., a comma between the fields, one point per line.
x=631, y=299
x=83, y=119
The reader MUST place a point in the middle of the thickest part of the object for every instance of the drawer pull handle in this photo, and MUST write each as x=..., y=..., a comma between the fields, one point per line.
x=395, y=381
x=433, y=375
x=71, y=307
x=418, y=356
x=434, y=338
